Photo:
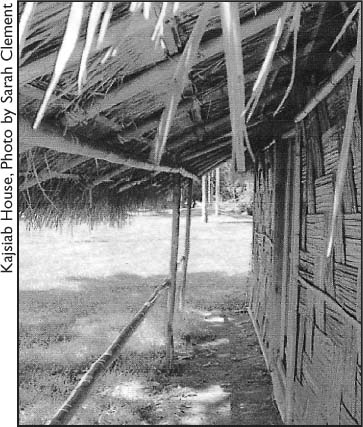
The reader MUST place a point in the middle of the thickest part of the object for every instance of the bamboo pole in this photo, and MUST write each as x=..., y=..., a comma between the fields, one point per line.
x=187, y=245
x=344, y=68
x=235, y=80
x=345, y=148
x=78, y=395
x=218, y=182
x=204, y=199
x=173, y=272
x=293, y=286
x=133, y=184
x=48, y=138
x=107, y=177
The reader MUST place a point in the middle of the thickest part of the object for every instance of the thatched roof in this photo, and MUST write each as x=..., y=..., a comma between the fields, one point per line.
x=90, y=156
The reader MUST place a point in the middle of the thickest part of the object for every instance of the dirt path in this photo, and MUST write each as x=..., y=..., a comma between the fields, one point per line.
x=221, y=381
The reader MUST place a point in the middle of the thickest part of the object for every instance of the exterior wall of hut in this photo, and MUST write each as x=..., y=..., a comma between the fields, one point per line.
x=307, y=316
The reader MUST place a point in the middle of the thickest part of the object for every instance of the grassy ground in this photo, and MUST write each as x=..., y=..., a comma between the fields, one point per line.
x=79, y=288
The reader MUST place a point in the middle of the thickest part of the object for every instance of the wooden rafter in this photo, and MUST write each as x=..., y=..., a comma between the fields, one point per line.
x=47, y=138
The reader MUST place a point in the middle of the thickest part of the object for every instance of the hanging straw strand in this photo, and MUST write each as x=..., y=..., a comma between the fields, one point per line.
x=105, y=21
x=235, y=80
x=93, y=21
x=69, y=41
x=265, y=69
x=346, y=24
x=24, y=23
x=179, y=80
x=295, y=26
x=159, y=27
x=344, y=154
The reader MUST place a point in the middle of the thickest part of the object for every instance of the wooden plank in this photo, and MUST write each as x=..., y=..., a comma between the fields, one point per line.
x=358, y=313
x=280, y=161
x=286, y=251
x=346, y=287
x=350, y=367
x=324, y=188
x=309, y=324
x=334, y=392
x=173, y=272
x=339, y=247
x=300, y=347
x=309, y=172
x=293, y=288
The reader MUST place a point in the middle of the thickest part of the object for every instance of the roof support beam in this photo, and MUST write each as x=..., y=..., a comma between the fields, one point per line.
x=107, y=177
x=45, y=174
x=46, y=137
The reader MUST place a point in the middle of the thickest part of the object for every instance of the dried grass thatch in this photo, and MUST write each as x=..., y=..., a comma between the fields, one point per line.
x=116, y=107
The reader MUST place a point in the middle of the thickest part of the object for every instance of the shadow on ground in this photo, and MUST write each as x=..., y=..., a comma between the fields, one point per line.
x=219, y=378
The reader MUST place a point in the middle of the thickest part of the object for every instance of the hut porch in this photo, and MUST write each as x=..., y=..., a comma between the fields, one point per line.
x=112, y=121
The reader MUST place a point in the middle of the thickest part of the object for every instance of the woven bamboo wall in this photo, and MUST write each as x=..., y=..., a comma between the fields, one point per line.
x=327, y=364
x=328, y=370
x=263, y=239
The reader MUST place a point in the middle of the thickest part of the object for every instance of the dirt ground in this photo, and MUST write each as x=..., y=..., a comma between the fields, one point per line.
x=222, y=381
x=72, y=306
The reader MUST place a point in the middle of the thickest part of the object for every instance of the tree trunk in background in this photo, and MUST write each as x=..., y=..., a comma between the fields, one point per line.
x=209, y=187
x=218, y=179
x=204, y=199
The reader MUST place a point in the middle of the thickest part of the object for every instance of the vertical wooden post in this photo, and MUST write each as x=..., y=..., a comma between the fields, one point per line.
x=218, y=181
x=280, y=154
x=286, y=250
x=204, y=199
x=173, y=271
x=187, y=245
x=293, y=286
